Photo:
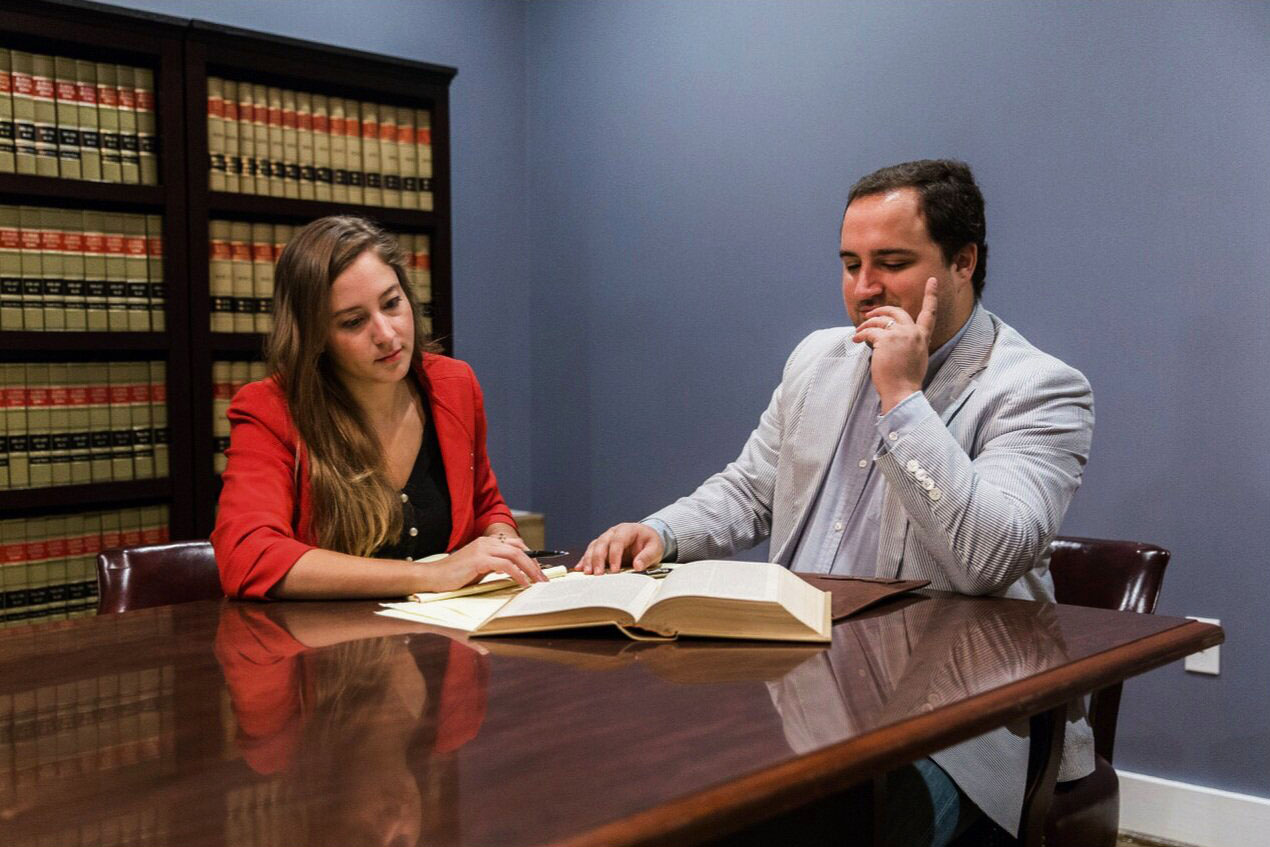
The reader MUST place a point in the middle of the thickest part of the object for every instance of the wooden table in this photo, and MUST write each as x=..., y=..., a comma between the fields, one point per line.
x=215, y=723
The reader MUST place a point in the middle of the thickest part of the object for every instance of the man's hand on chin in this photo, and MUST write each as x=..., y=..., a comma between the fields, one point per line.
x=901, y=346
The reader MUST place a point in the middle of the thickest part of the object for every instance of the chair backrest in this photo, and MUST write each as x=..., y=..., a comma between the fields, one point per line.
x=156, y=575
x=1105, y=574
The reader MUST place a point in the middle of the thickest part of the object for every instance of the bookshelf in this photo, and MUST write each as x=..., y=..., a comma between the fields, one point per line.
x=157, y=311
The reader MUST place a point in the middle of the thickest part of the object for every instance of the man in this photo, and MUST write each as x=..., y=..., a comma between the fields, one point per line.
x=929, y=440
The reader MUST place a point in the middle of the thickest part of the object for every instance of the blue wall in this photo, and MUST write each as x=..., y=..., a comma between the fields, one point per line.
x=647, y=198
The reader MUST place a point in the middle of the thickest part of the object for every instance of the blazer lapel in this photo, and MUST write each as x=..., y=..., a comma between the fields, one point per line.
x=813, y=439
x=453, y=434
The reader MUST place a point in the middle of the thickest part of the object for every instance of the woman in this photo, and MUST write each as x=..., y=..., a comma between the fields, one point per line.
x=364, y=452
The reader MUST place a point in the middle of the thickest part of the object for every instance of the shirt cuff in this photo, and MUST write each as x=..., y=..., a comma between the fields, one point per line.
x=668, y=543
x=903, y=418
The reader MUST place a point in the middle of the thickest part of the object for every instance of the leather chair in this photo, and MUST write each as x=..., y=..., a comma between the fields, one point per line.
x=1123, y=575
x=156, y=575
x=1105, y=574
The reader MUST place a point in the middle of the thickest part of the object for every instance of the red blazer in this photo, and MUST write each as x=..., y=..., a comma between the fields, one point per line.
x=263, y=521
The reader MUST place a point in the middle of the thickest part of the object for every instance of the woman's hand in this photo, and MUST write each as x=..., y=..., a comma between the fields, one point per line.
x=483, y=556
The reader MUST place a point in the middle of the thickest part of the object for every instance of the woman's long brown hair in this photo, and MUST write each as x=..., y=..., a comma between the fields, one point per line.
x=355, y=508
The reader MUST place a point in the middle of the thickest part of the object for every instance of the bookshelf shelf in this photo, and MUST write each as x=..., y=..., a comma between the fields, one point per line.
x=19, y=345
x=89, y=496
x=37, y=188
x=263, y=207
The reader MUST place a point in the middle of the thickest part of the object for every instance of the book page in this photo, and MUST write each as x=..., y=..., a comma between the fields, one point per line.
x=725, y=580
x=627, y=592
x=464, y=613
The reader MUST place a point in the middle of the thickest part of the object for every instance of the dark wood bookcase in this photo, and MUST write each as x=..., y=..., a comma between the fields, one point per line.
x=183, y=54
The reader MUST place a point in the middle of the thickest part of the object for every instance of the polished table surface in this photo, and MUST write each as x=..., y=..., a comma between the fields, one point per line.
x=222, y=722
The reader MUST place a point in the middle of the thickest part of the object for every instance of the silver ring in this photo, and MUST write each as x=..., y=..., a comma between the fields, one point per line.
x=891, y=324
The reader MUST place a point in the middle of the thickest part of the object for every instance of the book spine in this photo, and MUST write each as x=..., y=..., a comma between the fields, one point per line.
x=97, y=377
x=324, y=175
x=423, y=157
x=52, y=282
x=372, y=163
x=4, y=451
x=8, y=135
x=129, y=145
x=45, y=102
x=277, y=149
x=356, y=157
x=96, y=296
x=304, y=145
x=70, y=225
x=406, y=158
x=39, y=424
x=290, y=145
x=116, y=273
x=221, y=277
x=247, y=138
x=233, y=155
x=79, y=426
x=158, y=387
x=10, y=269
x=120, y=423
x=147, y=126
x=108, y=122
x=390, y=156
x=89, y=136
x=140, y=414
x=32, y=269
x=154, y=273
x=23, y=85
x=70, y=164
x=241, y=266
x=136, y=271
x=15, y=401
x=60, y=423
x=216, y=133
x=262, y=275
x=339, y=150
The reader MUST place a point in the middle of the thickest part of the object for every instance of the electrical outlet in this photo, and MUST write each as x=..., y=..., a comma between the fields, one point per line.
x=1205, y=661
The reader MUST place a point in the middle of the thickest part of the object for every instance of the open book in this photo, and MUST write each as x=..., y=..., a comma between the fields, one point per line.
x=719, y=599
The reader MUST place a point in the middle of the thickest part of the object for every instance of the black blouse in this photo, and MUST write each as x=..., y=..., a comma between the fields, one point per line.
x=425, y=505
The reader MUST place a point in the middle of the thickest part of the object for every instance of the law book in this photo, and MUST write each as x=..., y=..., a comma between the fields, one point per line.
x=137, y=272
x=39, y=424
x=4, y=452
x=229, y=140
x=8, y=164
x=262, y=275
x=246, y=139
x=12, y=571
x=260, y=131
x=147, y=126
x=129, y=145
x=221, y=277
x=239, y=375
x=406, y=160
x=69, y=159
x=92, y=546
x=389, y=156
x=423, y=158
x=76, y=553
x=89, y=135
x=241, y=267
x=97, y=380
x=79, y=426
x=130, y=527
x=339, y=150
x=158, y=386
x=44, y=101
x=216, y=133
x=108, y=122
x=356, y=156
x=142, y=422
x=152, y=521
x=372, y=162
x=23, y=111
x=96, y=297
x=154, y=273
x=55, y=573
x=116, y=272
x=70, y=223
x=277, y=144
x=36, y=579
x=32, y=269
x=13, y=394
x=60, y=422
x=51, y=280
x=715, y=599
x=423, y=268
x=11, y=296
x=325, y=176
x=290, y=145
x=120, y=423
x=304, y=145
x=222, y=393
x=282, y=234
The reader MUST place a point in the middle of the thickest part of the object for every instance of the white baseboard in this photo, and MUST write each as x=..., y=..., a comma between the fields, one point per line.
x=1191, y=814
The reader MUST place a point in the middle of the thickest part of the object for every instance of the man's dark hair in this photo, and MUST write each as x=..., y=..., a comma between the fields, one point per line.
x=950, y=201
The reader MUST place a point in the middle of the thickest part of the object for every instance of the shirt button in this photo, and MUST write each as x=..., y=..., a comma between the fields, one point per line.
x=934, y=494
x=410, y=558
x=928, y=484
x=414, y=530
x=864, y=463
x=837, y=526
x=404, y=498
x=893, y=436
x=913, y=466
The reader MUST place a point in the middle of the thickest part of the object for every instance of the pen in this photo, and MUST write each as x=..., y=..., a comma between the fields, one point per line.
x=545, y=554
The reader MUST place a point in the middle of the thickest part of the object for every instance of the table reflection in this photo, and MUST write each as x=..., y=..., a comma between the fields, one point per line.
x=357, y=721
